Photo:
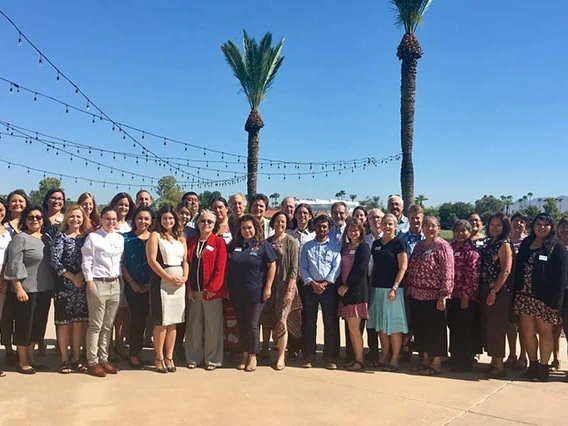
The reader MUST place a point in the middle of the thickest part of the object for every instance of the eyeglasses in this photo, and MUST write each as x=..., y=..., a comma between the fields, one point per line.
x=32, y=217
x=207, y=221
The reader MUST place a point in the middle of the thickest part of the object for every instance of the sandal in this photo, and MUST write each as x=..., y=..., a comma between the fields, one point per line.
x=378, y=364
x=431, y=371
x=161, y=367
x=391, y=368
x=78, y=366
x=251, y=365
x=419, y=368
x=65, y=368
x=356, y=366
x=171, y=367
x=210, y=367
x=191, y=365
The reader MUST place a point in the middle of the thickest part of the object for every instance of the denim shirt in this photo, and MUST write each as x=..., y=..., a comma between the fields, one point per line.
x=320, y=261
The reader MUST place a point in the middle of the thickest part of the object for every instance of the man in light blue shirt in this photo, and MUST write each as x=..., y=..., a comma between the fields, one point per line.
x=319, y=267
x=414, y=233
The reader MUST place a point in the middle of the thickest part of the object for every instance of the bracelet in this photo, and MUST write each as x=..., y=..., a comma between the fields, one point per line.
x=493, y=292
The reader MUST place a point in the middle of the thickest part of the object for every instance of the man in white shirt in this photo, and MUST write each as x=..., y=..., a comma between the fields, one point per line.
x=101, y=265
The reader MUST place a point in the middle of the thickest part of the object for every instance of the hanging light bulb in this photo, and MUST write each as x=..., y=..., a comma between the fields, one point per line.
x=40, y=59
x=19, y=39
x=35, y=97
x=57, y=78
x=88, y=105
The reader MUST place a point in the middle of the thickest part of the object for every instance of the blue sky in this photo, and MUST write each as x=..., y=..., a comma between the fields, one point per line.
x=491, y=108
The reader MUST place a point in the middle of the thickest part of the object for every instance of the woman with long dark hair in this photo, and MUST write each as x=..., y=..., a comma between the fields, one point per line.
x=495, y=291
x=540, y=281
x=29, y=270
x=89, y=204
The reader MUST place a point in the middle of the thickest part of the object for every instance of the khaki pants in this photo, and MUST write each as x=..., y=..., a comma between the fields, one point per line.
x=103, y=303
x=204, y=331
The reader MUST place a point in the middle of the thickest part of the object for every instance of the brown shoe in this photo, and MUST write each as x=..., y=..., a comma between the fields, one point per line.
x=308, y=362
x=96, y=370
x=108, y=368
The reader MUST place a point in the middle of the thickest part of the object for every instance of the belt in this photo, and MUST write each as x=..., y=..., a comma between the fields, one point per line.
x=171, y=266
x=105, y=279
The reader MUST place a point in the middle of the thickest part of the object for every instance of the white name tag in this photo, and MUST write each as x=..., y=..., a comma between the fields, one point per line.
x=209, y=248
x=543, y=257
x=457, y=254
x=238, y=249
x=351, y=251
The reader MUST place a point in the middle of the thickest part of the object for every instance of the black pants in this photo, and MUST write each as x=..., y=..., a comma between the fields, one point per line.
x=31, y=317
x=7, y=321
x=460, y=322
x=429, y=327
x=328, y=302
x=139, y=305
x=248, y=315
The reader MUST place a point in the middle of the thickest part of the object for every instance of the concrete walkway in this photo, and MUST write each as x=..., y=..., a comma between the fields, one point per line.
x=294, y=396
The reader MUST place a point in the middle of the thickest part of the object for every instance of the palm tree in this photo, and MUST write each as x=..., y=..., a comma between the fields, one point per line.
x=255, y=68
x=507, y=200
x=525, y=197
x=340, y=194
x=274, y=197
x=420, y=200
x=352, y=196
x=410, y=13
x=530, y=194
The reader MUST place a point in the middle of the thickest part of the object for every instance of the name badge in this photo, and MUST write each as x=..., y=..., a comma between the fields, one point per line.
x=254, y=253
x=238, y=249
x=378, y=248
x=543, y=257
x=208, y=247
x=351, y=251
x=457, y=254
x=328, y=257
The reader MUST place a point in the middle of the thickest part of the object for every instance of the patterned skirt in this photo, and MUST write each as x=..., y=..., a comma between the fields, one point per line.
x=358, y=310
x=526, y=304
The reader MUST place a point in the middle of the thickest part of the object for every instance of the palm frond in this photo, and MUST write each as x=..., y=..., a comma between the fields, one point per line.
x=256, y=66
x=410, y=13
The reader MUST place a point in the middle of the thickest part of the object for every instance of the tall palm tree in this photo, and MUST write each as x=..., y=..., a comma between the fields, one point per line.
x=255, y=68
x=420, y=200
x=410, y=13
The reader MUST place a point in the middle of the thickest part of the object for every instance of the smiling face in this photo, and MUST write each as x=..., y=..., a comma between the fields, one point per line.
x=238, y=205
x=359, y=214
x=88, y=206
x=205, y=224
x=395, y=206
x=339, y=214
x=143, y=199
x=184, y=215
x=122, y=207
x=258, y=208
x=16, y=205
x=108, y=221
x=354, y=233
x=430, y=229
x=168, y=221
x=542, y=229
x=303, y=217
x=2, y=212
x=461, y=234
x=388, y=226
x=34, y=221
x=322, y=230
x=495, y=227
x=279, y=224
x=288, y=205
x=247, y=230
x=192, y=203
x=75, y=220
x=143, y=221
x=475, y=222
x=220, y=210
x=518, y=227
x=55, y=203
x=415, y=220
x=374, y=219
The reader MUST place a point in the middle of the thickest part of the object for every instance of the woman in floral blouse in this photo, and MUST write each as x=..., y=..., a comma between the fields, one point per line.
x=430, y=282
x=495, y=297
x=464, y=298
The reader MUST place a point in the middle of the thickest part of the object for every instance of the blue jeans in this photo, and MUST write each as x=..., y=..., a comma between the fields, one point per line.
x=328, y=302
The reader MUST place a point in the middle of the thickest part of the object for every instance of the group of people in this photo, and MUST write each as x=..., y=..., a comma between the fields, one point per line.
x=206, y=281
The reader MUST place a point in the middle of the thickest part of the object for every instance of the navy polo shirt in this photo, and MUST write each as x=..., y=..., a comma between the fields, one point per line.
x=246, y=270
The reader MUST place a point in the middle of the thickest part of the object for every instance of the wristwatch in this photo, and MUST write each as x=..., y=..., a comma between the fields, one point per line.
x=493, y=292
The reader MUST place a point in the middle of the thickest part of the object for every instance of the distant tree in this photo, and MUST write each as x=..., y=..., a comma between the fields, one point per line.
x=275, y=197
x=352, y=196
x=530, y=194
x=520, y=201
x=539, y=201
x=206, y=198
x=431, y=211
x=551, y=208
x=507, y=200
x=36, y=195
x=373, y=202
x=559, y=199
x=531, y=211
x=420, y=200
x=169, y=192
x=450, y=212
x=340, y=194
x=487, y=205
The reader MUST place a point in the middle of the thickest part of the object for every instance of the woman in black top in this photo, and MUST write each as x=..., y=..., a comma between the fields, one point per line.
x=352, y=286
x=540, y=281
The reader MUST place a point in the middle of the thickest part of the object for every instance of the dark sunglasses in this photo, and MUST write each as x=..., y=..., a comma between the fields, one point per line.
x=32, y=217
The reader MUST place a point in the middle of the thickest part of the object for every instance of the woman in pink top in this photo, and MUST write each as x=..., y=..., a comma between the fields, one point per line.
x=430, y=283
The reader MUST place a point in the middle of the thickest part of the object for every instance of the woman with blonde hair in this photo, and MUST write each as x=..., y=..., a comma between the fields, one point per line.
x=71, y=313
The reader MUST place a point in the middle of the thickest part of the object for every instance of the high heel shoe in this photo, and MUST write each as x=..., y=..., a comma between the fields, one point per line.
x=160, y=366
x=171, y=367
x=244, y=362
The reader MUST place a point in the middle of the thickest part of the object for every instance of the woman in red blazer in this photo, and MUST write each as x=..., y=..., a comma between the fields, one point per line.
x=207, y=257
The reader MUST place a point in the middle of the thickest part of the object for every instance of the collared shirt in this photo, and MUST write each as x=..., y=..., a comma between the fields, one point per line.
x=411, y=239
x=370, y=239
x=320, y=261
x=335, y=233
x=102, y=253
x=301, y=236
x=403, y=225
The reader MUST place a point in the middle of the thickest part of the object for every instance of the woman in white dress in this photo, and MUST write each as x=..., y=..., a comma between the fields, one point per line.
x=166, y=253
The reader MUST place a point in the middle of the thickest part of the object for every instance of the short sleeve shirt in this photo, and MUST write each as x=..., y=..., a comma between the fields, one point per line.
x=385, y=262
x=246, y=270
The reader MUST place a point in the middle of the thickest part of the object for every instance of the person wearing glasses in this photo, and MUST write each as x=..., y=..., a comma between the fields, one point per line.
x=207, y=257
x=101, y=266
x=191, y=201
x=32, y=281
x=540, y=281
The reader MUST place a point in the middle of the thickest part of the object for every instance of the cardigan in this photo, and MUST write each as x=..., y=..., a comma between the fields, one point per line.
x=213, y=261
x=548, y=275
x=356, y=281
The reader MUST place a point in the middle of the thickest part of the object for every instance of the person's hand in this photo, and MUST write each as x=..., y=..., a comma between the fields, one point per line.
x=441, y=304
x=319, y=288
x=208, y=295
x=392, y=295
x=135, y=287
x=177, y=281
x=490, y=300
x=464, y=301
x=21, y=295
x=288, y=297
x=191, y=295
x=90, y=285
x=342, y=290
x=144, y=288
x=266, y=293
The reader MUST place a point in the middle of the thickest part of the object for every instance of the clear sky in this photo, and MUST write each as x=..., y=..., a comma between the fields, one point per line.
x=491, y=107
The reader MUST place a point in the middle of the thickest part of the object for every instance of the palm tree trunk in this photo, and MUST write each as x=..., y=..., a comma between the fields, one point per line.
x=252, y=127
x=409, y=51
